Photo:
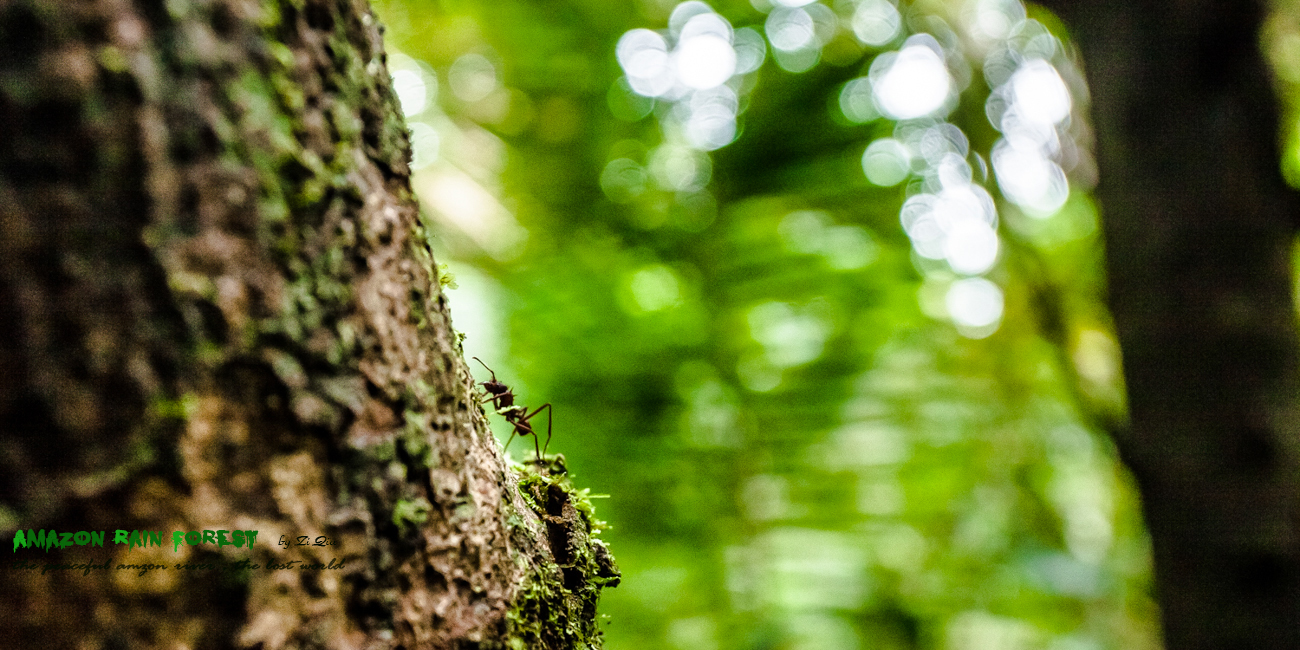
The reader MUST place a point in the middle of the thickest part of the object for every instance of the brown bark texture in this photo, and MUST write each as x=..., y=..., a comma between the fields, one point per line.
x=218, y=310
x=1199, y=231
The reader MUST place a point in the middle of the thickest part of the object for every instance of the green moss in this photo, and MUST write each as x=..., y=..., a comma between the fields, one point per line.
x=180, y=408
x=411, y=513
x=113, y=59
x=556, y=605
x=383, y=451
x=270, y=16
x=416, y=440
x=446, y=278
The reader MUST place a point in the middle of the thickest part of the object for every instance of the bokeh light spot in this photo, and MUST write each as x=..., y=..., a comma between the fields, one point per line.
x=996, y=19
x=643, y=55
x=912, y=82
x=856, y=103
x=655, y=288
x=705, y=24
x=876, y=22
x=1030, y=180
x=410, y=89
x=848, y=248
x=1039, y=92
x=750, y=48
x=975, y=303
x=623, y=180
x=789, y=336
x=679, y=168
x=472, y=77
x=683, y=13
x=886, y=162
x=971, y=247
x=425, y=143
x=790, y=29
x=802, y=231
x=797, y=61
x=704, y=61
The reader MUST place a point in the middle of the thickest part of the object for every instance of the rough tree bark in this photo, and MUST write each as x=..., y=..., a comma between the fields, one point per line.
x=1199, y=229
x=219, y=311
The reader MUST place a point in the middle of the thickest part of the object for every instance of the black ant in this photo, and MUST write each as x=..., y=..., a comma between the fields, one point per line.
x=516, y=415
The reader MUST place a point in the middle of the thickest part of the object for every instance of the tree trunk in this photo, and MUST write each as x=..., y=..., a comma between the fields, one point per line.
x=219, y=312
x=1199, y=231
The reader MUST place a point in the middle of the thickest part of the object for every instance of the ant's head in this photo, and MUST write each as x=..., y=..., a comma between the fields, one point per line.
x=493, y=386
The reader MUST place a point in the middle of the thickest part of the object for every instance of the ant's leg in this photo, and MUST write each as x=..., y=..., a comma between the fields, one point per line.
x=528, y=417
x=493, y=399
x=549, y=412
x=523, y=429
x=536, y=449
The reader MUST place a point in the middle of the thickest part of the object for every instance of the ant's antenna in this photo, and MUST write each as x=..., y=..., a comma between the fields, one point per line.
x=485, y=366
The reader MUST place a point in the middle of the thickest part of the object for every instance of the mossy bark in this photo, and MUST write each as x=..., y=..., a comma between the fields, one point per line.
x=1199, y=231
x=218, y=311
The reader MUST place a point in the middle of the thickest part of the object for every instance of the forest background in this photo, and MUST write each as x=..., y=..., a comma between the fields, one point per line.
x=824, y=313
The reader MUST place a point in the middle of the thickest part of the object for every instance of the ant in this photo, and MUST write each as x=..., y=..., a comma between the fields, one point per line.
x=516, y=415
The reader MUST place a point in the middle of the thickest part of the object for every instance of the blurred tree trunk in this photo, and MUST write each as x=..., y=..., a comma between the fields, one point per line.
x=219, y=311
x=1199, y=231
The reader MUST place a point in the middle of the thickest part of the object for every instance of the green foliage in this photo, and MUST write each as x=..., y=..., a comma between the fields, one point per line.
x=804, y=446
